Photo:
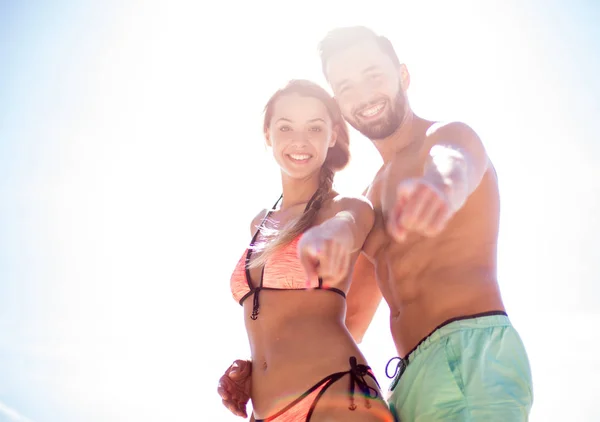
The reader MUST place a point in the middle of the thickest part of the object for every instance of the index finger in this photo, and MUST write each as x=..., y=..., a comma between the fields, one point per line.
x=309, y=259
x=223, y=392
x=235, y=409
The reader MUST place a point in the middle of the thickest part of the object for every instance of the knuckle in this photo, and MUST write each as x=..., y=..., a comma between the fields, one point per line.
x=406, y=221
x=442, y=203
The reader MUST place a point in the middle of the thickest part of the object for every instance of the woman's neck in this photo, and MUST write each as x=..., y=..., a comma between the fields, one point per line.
x=298, y=191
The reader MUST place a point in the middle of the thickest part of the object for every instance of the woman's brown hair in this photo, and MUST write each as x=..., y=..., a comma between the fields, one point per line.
x=337, y=158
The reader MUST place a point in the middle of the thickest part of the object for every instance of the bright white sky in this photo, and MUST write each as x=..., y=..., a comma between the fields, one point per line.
x=131, y=162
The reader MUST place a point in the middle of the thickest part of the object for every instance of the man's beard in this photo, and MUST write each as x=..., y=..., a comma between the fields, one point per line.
x=387, y=124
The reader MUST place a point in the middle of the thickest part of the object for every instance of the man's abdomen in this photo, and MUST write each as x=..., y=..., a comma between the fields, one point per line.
x=419, y=306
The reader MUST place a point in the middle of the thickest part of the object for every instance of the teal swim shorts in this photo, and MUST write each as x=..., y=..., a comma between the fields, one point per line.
x=473, y=368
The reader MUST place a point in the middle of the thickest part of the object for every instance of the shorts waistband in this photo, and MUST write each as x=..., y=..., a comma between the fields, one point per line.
x=481, y=320
x=466, y=322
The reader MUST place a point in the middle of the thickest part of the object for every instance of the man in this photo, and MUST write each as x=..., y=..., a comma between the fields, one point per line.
x=432, y=250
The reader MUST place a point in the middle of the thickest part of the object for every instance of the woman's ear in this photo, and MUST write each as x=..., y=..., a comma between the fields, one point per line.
x=334, y=135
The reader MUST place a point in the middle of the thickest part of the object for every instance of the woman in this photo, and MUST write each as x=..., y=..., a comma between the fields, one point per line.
x=293, y=277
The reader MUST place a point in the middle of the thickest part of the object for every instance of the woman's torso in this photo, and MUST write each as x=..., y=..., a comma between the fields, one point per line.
x=297, y=335
x=298, y=339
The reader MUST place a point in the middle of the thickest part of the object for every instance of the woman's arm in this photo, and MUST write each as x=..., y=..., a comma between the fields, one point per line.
x=325, y=250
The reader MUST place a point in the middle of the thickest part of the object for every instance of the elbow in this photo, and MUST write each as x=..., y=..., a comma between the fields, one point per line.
x=355, y=331
x=357, y=336
x=476, y=169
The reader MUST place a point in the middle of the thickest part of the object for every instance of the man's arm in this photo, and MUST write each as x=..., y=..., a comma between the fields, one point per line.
x=456, y=164
x=235, y=387
x=457, y=161
x=362, y=299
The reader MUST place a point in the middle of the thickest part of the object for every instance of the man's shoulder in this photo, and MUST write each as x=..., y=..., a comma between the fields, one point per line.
x=453, y=128
x=373, y=191
x=434, y=126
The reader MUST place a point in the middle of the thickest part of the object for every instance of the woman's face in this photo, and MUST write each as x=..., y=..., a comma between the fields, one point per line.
x=300, y=134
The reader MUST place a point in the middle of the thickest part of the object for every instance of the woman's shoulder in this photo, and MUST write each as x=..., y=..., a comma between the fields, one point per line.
x=357, y=205
x=257, y=220
x=343, y=201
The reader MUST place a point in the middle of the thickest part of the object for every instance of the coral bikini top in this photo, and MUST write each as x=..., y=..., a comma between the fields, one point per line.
x=282, y=271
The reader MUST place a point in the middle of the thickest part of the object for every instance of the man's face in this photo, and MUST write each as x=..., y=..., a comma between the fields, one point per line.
x=367, y=86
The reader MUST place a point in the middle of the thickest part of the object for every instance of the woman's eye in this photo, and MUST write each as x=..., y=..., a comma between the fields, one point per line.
x=315, y=129
x=285, y=128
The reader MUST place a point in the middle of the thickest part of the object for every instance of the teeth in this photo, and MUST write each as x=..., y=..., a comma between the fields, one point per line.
x=300, y=157
x=371, y=111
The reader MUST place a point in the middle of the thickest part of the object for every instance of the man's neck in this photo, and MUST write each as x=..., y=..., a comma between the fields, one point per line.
x=403, y=139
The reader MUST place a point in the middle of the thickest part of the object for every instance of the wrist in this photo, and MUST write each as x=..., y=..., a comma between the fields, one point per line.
x=340, y=227
x=450, y=177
